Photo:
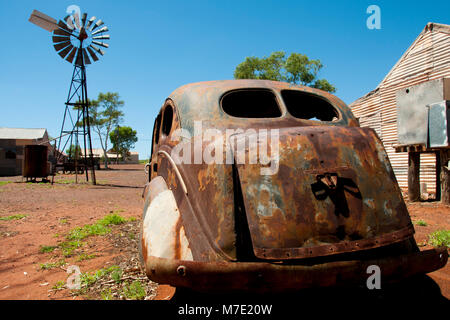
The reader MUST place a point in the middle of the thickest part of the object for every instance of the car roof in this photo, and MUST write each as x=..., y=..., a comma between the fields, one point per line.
x=200, y=101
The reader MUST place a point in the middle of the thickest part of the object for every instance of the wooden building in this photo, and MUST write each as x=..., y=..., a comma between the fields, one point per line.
x=428, y=58
x=12, y=143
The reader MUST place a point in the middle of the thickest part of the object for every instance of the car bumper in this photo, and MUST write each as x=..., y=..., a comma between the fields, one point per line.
x=264, y=276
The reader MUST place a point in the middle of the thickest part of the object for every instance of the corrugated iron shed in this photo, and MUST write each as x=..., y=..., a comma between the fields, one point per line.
x=427, y=58
x=22, y=133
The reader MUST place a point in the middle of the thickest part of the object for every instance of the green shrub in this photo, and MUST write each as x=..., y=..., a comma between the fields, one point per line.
x=85, y=256
x=68, y=247
x=134, y=291
x=420, y=223
x=112, y=219
x=14, y=217
x=51, y=265
x=440, y=238
x=98, y=228
x=46, y=249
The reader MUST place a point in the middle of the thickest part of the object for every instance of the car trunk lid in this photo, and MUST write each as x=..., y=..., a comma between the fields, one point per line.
x=332, y=191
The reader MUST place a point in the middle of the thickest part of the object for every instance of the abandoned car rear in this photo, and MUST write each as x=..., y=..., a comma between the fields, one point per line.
x=252, y=183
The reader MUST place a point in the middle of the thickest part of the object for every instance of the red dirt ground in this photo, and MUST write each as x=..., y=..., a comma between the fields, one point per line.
x=54, y=210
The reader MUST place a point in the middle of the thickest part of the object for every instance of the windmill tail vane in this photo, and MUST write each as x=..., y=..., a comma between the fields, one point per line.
x=79, y=41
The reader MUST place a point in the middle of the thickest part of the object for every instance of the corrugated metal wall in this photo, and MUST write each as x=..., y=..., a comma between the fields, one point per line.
x=428, y=58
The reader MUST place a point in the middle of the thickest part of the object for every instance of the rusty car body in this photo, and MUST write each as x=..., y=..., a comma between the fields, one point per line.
x=330, y=208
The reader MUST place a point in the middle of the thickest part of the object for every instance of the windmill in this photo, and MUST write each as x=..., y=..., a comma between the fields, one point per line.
x=76, y=41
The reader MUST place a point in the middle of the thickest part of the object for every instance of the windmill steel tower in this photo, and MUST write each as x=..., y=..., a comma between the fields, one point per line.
x=76, y=41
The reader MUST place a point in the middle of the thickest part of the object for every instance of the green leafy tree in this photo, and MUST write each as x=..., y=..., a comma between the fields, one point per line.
x=123, y=139
x=296, y=69
x=104, y=115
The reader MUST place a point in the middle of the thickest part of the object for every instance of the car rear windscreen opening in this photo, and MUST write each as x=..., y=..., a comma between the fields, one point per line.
x=252, y=103
x=308, y=106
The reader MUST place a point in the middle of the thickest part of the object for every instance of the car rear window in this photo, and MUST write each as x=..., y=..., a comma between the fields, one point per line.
x=251, y=103
x=308, y=106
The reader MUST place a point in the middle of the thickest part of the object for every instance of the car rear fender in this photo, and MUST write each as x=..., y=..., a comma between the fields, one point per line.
x=163, y=234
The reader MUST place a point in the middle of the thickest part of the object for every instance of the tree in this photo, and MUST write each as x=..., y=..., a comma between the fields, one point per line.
x=296, y=69
x=104, y=115
x=123, y=139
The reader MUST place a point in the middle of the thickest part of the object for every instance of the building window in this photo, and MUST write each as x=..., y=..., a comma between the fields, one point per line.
x=10, y=153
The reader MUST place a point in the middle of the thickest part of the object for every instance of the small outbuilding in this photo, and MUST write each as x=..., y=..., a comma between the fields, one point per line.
x=12, y=146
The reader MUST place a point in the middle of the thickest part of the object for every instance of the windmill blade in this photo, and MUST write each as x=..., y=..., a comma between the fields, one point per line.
x=97, y=49
x=61, y=32
x=90, y=22
x=64, y=52
x=104, y=29
x=42, y=20
x=104, y=37
x=92, y=53
x=59, y=39
x=83, y=20
x=105, y=45
x=72, y=21
x=61, y=45
x=86, y=57
x=64, y=26
x=66, y=23
x=71, y=55
x=96, y=25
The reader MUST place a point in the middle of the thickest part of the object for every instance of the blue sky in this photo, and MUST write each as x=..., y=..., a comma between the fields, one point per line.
x=157, y=46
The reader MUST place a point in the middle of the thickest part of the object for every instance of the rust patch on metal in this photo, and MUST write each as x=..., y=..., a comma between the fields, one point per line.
x=177, y=244
x=330, y=249
x=144, y=249
x=201, y=176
